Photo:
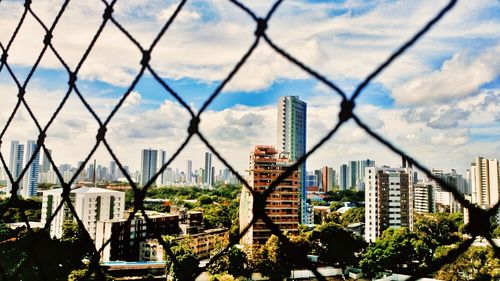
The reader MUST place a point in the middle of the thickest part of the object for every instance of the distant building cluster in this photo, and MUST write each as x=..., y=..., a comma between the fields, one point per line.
x=153, y=160
x=348, y=176
x=40, y=171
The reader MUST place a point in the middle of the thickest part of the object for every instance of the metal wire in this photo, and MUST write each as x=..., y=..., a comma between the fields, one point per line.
x=347, y=112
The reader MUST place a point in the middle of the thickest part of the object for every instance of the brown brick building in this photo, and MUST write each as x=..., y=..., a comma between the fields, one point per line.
x=282, y=205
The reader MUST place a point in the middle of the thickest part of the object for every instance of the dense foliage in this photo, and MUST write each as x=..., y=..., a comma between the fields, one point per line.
x=185, y=264
x=404, y=251
x=24, y=257
x=349, y=195
x=233, y=262
x=477, y=263
x=335, y=245
x=12, y=210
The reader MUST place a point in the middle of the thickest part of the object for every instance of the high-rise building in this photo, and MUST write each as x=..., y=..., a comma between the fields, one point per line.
x=207, y=172
x=92, y=204
x=162, y=160
x=149, y=159
x=189, y=171
x=444, y=200
x=485, y=183
x=327, y=179
x=312, y=180
x=388, y=200
x=484, y=179
x=344, y=177
x=423, y=198
x=292, y=123
x=15, y=164
x=360, y=173
x=113, y=170
x=335, y=178
x=282, y=205
x=46, y=167
x=30, y=180
x=319, y=178
x=353, y=174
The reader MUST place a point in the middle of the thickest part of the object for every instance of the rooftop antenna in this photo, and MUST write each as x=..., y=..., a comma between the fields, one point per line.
x=93, y=176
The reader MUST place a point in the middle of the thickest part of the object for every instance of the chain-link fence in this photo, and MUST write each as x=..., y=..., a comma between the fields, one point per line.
x=479, y=219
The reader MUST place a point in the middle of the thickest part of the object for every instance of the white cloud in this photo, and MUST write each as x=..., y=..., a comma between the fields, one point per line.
x=209, y=37
x=460, y=76
x=206, y=42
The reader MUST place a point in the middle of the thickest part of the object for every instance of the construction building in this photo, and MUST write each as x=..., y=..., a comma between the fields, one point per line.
x=282, y=205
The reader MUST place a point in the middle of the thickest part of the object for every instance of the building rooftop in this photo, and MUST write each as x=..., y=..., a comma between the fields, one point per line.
x=83, y=190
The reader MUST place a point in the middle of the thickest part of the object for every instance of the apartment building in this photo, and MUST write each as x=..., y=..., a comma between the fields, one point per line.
x=91, y=204
x=282, y=205
x=388, y=200
x=424, y=200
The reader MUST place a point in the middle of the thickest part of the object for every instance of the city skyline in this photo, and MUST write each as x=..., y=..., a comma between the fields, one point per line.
x=417, y=103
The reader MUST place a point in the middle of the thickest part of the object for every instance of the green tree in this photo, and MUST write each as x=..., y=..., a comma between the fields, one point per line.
x=353, y=215
x=335, y=245
x=234, y=262
x=496, y=232
x=300, y=246
x=477, y=263
x=84, y=275
x=6, y=232
x=74, y=236
x=396, y=250
x=205, y=200
x=335, y=205
x=216, y=215
x=404, y=251
x=272, y=261
x=34, y=256
x=334, y=217
x=186, y=263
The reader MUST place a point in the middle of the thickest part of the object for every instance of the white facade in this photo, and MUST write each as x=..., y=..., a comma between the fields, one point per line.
x=484, y=177
x=207, y=172
x=162, y=159
x=149, y=161
x=394, y=195
x=15, y=164
x=424, y=198
x=91, y=204
x=485, y=183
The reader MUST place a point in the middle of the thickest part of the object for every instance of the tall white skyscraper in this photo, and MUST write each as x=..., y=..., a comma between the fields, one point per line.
x=149, y=160
x=162, y=159
x=207, y=172
x=485, y=182
x=189, y=171
x=15, y=164
x=30, y=180
x=292, y=122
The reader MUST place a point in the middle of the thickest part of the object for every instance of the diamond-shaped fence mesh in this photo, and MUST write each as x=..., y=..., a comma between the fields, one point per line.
x=479, y=218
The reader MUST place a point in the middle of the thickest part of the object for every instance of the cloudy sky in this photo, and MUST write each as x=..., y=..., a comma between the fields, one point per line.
x=440, y=101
